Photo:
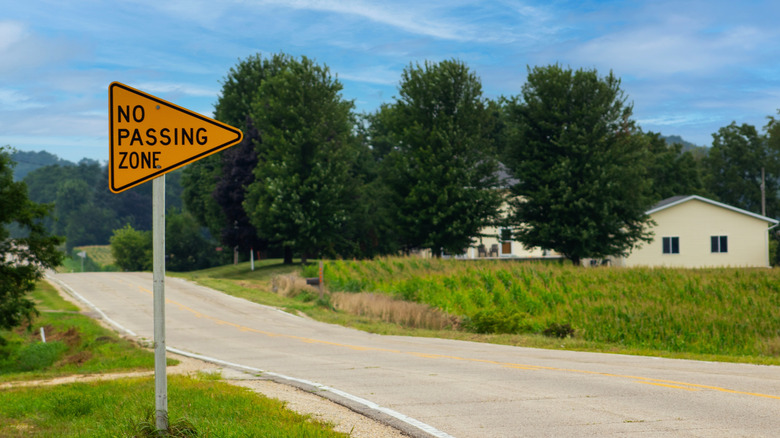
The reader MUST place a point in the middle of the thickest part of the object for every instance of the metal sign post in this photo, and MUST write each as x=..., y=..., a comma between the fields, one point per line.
x=158, y=278
x=149, y=137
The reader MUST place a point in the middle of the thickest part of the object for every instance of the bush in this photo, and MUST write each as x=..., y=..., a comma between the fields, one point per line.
x=556, y=330
x=497, y=321
x=132, y=249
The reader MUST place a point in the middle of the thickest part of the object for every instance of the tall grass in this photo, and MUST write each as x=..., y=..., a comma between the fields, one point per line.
x=707, y=311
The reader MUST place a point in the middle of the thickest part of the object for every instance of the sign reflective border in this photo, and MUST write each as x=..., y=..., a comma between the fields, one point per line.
x=149, y=137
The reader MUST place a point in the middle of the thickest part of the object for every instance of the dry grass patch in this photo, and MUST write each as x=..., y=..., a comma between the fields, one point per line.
x=405, y=313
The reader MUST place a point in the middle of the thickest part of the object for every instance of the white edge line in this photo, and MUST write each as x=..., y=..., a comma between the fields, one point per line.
x=103, y=316
x=367, y=403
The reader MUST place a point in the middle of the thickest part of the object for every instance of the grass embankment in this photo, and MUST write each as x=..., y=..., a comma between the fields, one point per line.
x=197, y=406
x=729, y=312
x=75, y=344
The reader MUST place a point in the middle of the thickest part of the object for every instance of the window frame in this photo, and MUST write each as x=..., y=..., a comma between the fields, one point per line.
x=719, y=244
x=670, y=245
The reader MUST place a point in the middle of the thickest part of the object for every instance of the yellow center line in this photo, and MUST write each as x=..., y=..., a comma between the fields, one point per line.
x=637, y=379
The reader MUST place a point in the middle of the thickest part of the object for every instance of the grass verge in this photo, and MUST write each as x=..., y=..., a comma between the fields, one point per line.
x=75, y=344
x=199, y=407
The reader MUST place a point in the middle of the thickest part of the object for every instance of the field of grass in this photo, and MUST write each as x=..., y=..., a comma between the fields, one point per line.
x=731, y=312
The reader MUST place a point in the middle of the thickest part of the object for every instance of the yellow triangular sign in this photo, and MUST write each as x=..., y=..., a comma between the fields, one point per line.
x=149, y=137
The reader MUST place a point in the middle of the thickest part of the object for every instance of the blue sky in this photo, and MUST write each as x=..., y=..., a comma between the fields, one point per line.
x=689, y=67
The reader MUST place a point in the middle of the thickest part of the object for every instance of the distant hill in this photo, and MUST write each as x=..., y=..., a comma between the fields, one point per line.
x=26, y=162
x=696, y=150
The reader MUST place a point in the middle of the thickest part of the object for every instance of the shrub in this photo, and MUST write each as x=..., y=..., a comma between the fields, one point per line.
x=497, y=321
x=555, y=330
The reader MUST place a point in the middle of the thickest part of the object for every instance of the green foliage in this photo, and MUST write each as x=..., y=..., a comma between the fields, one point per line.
x=732, y=312
x=497, y=321
x=441, y=166
x=132, y=249
x=27, y=161
x=672, y=171
x=583, y=187
x=302, y=189
x=23, y=258
x=186, y=246
x=734, y=165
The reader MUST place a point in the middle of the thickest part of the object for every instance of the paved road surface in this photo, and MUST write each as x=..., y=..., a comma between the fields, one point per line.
x=454, y=388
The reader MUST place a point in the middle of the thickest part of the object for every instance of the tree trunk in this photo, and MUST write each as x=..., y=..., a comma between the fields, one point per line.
x=288, y=255
x=575, y=260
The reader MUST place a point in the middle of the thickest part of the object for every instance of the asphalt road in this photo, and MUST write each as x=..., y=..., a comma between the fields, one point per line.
x=435, y=387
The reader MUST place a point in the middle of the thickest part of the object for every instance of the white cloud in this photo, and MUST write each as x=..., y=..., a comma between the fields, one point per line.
x=177, y=89
x=23, y=51
x=18, y=101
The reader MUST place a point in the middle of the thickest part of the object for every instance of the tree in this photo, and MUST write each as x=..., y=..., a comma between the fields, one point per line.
x=672, y=171
x=22, y=259
x=582, y=169
x=235, y=104
x=441, y=165
x=238, y=166
x=734, y=165
x=299, y=199
x=186, y=246
x=132, y=249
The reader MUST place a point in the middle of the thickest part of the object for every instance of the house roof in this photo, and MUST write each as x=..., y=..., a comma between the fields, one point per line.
x=677, y=200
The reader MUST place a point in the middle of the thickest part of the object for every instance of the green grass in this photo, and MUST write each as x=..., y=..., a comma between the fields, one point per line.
x=75, y=344
x=201, y=406
x=731, y=312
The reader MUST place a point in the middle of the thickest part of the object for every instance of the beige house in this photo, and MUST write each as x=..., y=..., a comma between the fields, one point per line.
x=696, y=232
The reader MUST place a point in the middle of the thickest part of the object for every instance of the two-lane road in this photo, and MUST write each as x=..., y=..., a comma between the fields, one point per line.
x=454, y=388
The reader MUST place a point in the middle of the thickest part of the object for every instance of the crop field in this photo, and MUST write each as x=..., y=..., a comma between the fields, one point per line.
x=727, y=311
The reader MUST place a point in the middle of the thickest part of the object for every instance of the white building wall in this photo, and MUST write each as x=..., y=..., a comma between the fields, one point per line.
x=694, y=222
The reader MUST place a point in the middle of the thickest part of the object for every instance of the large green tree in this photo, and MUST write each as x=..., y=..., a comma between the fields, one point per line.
x=300, y=197
x=733, y=166
x=24, y=258
x=440, y=162
x=208, y=183
x=582, y=169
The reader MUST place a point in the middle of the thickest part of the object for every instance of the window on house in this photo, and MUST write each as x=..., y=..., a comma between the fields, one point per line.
x=719, y=243
x=671, y=245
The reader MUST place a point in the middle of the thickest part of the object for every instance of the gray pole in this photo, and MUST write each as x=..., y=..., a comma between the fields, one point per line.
x=158, y=233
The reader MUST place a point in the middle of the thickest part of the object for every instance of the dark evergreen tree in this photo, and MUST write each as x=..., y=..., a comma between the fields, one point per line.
x=238, y=167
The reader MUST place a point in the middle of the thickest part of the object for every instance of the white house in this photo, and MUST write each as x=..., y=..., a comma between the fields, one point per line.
x=695, y=232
